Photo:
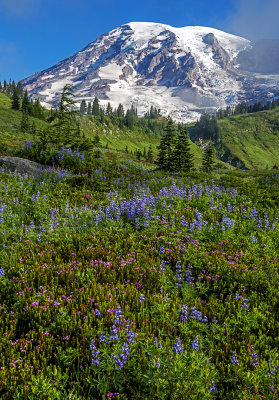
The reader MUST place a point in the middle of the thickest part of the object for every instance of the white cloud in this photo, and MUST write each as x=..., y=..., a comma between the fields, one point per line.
x=19, y=8
x=255, y=19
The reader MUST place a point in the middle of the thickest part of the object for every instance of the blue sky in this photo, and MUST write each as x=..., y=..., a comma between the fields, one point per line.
x=36, y=34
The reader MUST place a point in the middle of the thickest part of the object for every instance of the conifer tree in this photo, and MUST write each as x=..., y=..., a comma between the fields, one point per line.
x=182, y=155
x=15, y=101
x=207, y=160
x=66, y=112
x=120, y=111
x=36, y=110
x=149, y=156
x=9, y=87
x=82, y=108
x=96, y=107
x=108, y=109
x=13, y=88
x=19, y=89
x=89, y=108
x=25, y=105
x=24, y=124
x=165, y=156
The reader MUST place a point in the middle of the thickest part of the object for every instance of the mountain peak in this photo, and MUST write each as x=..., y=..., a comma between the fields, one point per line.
x=184, y=71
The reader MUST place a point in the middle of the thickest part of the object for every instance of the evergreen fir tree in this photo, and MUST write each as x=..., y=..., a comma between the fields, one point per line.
x=207, y=160
x=120, y=111
x=66, y=112
x=129, y=118
x=25, y=105
x=149, y=156
x=24, y=124
x=82, y=108
x=96, y=107
x=165, y=157
x=19, y=90
x=36, y=110
x=109, y=109
x=182, y=155
x=89, y=108
x=9, y=87
x=15, y=101
x=13, y=88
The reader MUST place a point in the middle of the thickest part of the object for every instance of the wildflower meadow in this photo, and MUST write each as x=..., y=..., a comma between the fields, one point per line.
x=123, y=283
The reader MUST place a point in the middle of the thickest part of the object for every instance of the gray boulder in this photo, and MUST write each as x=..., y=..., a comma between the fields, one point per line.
x=22, y=166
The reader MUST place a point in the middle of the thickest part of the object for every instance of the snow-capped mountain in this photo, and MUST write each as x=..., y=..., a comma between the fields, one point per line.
x=182, y=71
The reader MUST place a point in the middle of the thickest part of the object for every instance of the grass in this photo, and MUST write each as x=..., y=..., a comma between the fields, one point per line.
x=252, y=138
x=117, y=282
x=10, y=123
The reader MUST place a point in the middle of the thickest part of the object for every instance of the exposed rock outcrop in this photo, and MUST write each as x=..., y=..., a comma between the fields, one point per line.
x=182, y=71
x=22, y=166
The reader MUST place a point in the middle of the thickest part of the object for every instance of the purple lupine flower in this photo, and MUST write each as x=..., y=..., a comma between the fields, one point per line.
x=177, y=348
x=228, y=223
x=137, y=225
x=162, y=249
x=234, y=359
x=97, y=313
x=253, y=239
x=114, y=333
x=254, y=357
x=103, y=338
x=244, y=303
x=253, y=213
x=184, y=313
x=213, y=387
x=131, y=336
x=197, y=315
x=94, y=353
x=195, y=344
x=178, y=273
x=118, y=315
x=142, y=298
x=2, y=272
x=162, y=266
x=166, y=298
x=189, y=277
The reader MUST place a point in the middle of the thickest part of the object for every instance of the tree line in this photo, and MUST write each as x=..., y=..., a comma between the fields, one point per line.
x=151, y=122
x=244, y=108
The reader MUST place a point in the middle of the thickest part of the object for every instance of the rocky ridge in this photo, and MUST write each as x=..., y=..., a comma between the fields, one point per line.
x=181, y=71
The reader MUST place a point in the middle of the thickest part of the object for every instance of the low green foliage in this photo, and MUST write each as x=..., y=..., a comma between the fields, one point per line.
x=122, y=283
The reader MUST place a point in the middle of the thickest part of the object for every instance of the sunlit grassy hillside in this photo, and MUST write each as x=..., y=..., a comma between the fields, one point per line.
x=253, y=139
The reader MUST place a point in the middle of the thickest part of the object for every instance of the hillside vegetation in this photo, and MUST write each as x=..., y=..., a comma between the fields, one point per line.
x=10, y=120
x=250, y=140
x=113, y=135
x=125, y=282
